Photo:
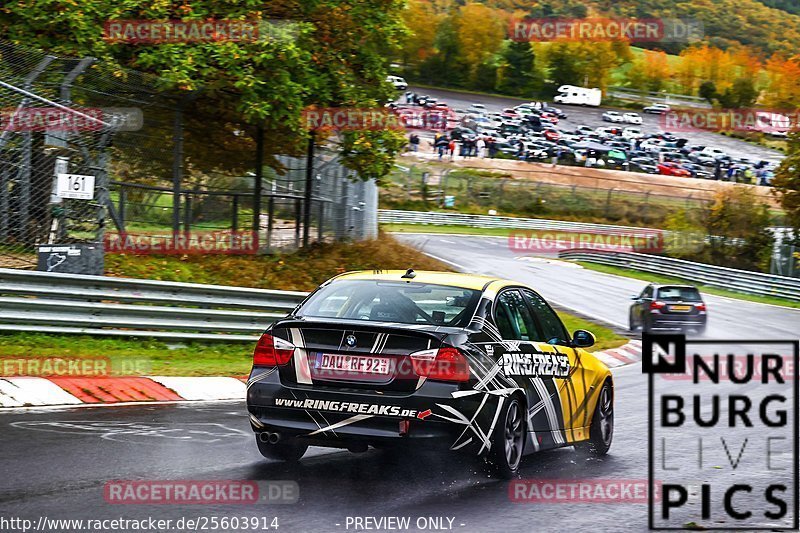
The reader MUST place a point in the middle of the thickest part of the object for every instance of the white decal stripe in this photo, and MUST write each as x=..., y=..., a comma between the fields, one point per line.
x=345, y=422
x=462, y=444
x=301, y=368
x=549, y=409
x=500, y=404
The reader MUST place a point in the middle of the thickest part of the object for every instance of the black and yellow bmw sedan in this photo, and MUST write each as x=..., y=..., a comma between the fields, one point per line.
x=469, y=363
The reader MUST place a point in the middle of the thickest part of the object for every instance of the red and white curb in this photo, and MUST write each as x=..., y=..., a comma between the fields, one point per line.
x=66, y=391
x=624, y=355
x=34, y=391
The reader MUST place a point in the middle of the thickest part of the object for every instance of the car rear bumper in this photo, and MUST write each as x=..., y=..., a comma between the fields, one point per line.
x=684, y=322
x=338, y=417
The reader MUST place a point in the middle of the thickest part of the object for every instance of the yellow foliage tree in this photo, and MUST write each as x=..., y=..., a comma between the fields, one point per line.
x=480, y=32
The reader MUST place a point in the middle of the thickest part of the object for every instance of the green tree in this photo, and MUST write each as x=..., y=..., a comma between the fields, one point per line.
x=733, y=231
x=564, y=65
x=517, y=71
x=326, y=52
x=741, y=94
x=708, y=91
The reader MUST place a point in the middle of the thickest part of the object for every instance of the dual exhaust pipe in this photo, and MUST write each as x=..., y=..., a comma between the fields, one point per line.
x=268, y=437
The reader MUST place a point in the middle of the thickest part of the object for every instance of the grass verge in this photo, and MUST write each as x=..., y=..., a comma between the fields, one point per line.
x=606, y=338
x=657, y=278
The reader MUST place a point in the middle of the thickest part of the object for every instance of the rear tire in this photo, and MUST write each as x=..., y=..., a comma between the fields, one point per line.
x=287, y=450
x=508, y=439
x=601, y=431
x=632, y=323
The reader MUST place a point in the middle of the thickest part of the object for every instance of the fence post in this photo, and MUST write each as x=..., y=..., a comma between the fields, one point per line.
x=187, y=214
x=309, y=188
x=259, y=181
x=123, y=198
x=608, y=201
x=235, y=214
x=177, y=169
x=270, y=218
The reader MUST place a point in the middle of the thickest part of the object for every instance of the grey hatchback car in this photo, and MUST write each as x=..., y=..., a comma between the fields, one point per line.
x=660, y=307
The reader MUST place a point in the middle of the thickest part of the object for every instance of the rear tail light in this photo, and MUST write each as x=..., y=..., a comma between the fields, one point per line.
x=700, y=307
x=657, y=305
x=272, y=351
x=444, y=364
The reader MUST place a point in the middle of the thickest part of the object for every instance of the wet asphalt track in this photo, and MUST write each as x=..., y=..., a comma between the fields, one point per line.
x=55, y=463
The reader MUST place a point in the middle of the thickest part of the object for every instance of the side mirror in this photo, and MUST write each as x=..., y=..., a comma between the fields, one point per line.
x=635, y=297
x=583, y=339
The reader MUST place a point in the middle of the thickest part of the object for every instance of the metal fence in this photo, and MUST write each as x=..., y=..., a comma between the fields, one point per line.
x=475, y=190
x=47, y=302
x=162, y=162
x=434, y=218
x=649, y=97
x=715, y=276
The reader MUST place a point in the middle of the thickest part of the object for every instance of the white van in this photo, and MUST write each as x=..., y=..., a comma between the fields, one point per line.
x=570, y=94
x=398, y=82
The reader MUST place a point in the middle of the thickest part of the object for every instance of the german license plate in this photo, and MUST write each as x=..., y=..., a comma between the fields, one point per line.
x=680, y=308
x=357, y=364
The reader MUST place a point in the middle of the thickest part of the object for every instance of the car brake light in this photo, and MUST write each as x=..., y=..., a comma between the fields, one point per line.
x=657, y=305
x=272, y=351
x=444, y=364
x=700, y=307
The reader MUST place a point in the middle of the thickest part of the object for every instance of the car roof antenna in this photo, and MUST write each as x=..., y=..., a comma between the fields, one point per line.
x=410, y=274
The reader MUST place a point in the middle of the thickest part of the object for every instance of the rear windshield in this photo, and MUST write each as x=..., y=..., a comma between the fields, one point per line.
x=686, y=294
x=391, y=301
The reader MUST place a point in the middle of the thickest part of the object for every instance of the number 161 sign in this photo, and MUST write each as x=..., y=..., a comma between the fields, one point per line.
x=75, y=186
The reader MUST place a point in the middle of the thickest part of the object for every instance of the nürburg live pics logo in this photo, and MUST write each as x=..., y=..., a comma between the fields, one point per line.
x=722, y=442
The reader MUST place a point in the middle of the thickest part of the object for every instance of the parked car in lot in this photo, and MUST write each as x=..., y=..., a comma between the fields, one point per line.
x=613, y=116
x=631, y=118
x=632, y=133
x=643, y=164
x=698, y=171
x=554, y=110
x=383, y=358
x=668, y=307
x=459, y=133
x=477, y=109
x=673, y=169
x=657, y=109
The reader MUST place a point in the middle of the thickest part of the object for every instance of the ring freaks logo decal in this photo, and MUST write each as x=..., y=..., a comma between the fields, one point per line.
x=534, y=364
x=723, y=442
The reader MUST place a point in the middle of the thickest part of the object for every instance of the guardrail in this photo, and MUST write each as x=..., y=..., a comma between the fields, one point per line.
x=434, y=218
x=396, y=216
x=48, y=302
x=715, y=276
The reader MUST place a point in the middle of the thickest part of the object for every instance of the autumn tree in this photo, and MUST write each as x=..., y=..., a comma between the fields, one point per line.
x=480, y=32
x=650, y=71
x=787, y=184
x=783, y=89
x=422, y=22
